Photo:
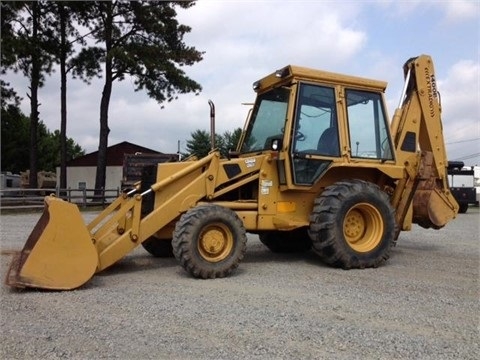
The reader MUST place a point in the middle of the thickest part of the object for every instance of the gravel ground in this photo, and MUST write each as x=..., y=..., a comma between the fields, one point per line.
x=423, y=304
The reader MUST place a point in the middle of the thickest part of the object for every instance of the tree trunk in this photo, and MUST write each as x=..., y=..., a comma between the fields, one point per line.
x=34, y=84
x=100, y=177
x=103, y=139
x=63, y=99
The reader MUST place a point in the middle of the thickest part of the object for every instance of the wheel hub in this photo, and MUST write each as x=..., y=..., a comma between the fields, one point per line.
x=354, y=225
x=363, y=227
x=215, y=243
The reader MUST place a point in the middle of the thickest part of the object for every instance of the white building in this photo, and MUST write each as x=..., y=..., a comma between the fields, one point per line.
x=81, y=171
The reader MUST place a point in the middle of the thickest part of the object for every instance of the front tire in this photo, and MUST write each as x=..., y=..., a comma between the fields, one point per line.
x=210, y=241
x=353, y=225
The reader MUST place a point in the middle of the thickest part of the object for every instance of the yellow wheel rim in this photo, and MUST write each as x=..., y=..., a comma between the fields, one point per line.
x=215, y=242
x=363, y=227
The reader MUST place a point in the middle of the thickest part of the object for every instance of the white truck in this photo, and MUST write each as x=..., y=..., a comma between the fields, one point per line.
x=462, y=182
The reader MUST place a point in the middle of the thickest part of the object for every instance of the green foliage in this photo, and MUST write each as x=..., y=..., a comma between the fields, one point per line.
x=8, y=15
x=144, y=41
x=9, y=95
x=27, y=40
x=67, y=35
x=200, y=144
x=231, y=140
x=141, y=39
x=29, y=47
x=49, y=149
x=15, y=139
x=15, y=134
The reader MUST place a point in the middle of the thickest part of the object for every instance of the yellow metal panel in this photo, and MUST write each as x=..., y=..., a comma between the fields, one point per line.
x=286, y=206
x=249, y=219
x=302, y=73
x=59, y=253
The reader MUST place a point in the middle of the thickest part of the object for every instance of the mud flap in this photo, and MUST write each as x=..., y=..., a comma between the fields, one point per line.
x=59, y=253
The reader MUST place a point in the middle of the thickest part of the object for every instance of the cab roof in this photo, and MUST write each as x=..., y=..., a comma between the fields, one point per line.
x=290, y=73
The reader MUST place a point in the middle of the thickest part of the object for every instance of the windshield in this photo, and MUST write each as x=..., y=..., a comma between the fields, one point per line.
x=267, y=121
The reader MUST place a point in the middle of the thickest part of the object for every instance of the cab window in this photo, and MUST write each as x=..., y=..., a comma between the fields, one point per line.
x=315, y=132
x=316, y=121
x=367, y=125
x=267, y=121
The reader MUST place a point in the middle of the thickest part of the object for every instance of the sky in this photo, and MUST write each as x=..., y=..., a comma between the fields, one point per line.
x=246, y=40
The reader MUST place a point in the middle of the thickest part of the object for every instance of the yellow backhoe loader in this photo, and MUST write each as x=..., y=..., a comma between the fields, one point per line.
x=318, y=167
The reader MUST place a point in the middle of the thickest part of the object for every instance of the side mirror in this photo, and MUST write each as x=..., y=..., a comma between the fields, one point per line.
x=276, y=144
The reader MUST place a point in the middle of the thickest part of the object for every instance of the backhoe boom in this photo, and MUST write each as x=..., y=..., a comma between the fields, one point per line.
x=418, y=140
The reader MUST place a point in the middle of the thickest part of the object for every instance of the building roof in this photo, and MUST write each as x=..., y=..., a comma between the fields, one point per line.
x=115, y=155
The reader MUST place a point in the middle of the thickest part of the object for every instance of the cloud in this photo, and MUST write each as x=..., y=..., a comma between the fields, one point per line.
x=246, y=40
x=265, y=34
x=461, y=100
x=243, y=40
x=452, y=10
x=460, y=10
x=460, y=94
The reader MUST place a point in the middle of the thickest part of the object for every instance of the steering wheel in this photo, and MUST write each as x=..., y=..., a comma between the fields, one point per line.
x=300, y=136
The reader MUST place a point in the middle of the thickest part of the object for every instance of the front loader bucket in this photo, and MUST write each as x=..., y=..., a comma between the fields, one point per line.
x=59, y=253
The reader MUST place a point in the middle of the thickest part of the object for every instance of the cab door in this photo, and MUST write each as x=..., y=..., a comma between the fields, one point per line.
x=315, y=140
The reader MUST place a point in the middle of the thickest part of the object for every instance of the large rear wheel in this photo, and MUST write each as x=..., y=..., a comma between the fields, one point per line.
x=353, y=225
x=209, y=241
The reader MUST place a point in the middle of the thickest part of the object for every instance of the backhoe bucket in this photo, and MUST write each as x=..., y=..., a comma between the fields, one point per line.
x=59, y=253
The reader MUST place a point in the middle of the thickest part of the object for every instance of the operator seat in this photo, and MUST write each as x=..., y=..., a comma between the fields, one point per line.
x=328, y=142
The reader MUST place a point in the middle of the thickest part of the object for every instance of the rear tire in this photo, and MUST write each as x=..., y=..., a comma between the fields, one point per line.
x=287, y=242
x=209, y=241
x=353, y=225
x=161, y=248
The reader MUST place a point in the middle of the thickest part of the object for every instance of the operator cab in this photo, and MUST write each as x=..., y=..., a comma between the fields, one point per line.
x=310, y=143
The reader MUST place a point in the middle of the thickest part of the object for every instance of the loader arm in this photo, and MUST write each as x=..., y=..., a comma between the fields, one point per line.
x=62, y=253
x=423, y=195
x=123, y=227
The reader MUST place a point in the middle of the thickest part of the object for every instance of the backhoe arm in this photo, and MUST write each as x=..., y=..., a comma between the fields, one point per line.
x=423, y=195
